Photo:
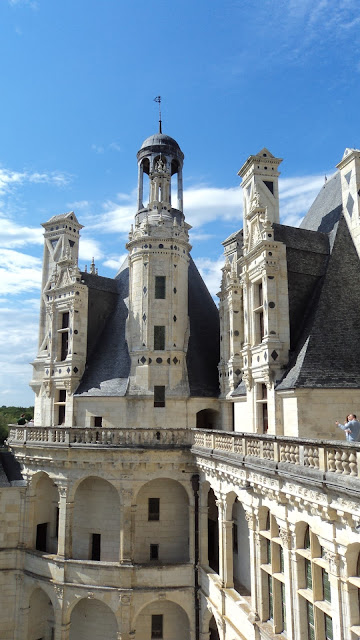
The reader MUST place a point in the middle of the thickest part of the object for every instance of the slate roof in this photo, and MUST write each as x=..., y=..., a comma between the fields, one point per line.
x=108, y=361
x=10, y=471
x=324, y=296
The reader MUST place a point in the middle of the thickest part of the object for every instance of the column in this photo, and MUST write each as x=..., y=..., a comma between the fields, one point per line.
x=127, y=527
x=254, y=546
x=192, y=533
x=65, y=524
x=140, y=187
x=228, y=561
x=335, y=586
x=286, y=540
x=63, y=631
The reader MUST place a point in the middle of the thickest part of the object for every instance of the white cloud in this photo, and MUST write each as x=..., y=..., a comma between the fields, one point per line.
x=10, y=178
x=211, y=272
x=14, y=235
x=32, y=4
x=98, y=148
x=89, y=248
x=114, y=146
x=115, y=262
x=19, y=272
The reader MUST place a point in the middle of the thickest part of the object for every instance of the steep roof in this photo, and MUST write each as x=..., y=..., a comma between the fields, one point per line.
x=108, y=361
x=326, y=209
x=327, y=353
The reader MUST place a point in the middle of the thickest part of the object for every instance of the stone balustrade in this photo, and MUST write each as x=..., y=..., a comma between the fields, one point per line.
x=97, y=436
x=334, y=457
x=301, y=455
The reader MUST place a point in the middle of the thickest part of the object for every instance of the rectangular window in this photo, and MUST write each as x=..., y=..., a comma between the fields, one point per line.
x=154, y=552
x=283, y=607
x=281, y=560
x=160, y=289
x=326, y=586
x=154, y=509
x=310, y=621
x=95, y=546
x=159, y=338
x=41, y=537
x=328, y=628
x=65, y=320
x=271, y=602
x=235, y=538
x=262, y=408
x=64, y=345
x=57, y=515
x=308, y=574
x=159, y=396
x=268, y=551
x=157, y=626
x=259, y=313
x=97, y=421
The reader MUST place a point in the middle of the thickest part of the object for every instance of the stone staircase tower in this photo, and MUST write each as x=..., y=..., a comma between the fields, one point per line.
x=158, y=323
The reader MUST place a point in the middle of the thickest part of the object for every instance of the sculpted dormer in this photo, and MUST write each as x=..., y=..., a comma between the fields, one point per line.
x=260, y=190
x=158, y=323
x=350, y=188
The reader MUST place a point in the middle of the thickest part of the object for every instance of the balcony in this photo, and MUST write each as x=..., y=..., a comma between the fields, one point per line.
x=99, y=437
x=327, y=461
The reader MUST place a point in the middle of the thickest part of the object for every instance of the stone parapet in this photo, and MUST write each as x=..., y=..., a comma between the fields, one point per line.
x=98, y=437
x=297, y=456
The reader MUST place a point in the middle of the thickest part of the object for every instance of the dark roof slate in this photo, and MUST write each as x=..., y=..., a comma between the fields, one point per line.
x=326, y=209
x=10, y=471
x=326, y=354
x=108, y=362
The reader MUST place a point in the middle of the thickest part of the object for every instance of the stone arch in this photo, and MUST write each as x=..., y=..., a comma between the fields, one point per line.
x=162, y=522
x=241, y=550
x=96, y=521
x=41, y=619
x=45, y=513
x=300, y=529
x=213, y=629
x=352, y=559
x=174, y=621
x=92, y=619
x=208, y=419
x=263, y=516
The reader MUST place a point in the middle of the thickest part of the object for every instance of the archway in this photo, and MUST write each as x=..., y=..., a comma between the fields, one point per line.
x=41, y=616
x=92, y=620
x=213, y=532
x=162, y=619
x=46, y=515
x=96, y=521
x=214, y=632
x=241, y=550
x=208, y=419
x=162, y=522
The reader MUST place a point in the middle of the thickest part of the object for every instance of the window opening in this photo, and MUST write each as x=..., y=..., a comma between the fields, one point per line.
x=310, y=621
x=154, y=509
x=326, y=586
x=259, y=313
x=57, y=516
x=156, y=626
x=159, y=338
x=159, y=396
x=95, y=546
x=97, y=421
x=41, y=537
x=262, y=405
x=64, y=331
x=235, y=538
x=160, y=287
x=271, y=602
x=328, y=628
x=283, y=606
x=154, y=552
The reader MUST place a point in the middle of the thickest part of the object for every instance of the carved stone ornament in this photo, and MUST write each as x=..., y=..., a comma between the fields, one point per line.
x=334, y=561
x=250, y=519
x=47, y=388
x=59, y=590
x=247, y=378
x=286, y=538
x=268, y=380
x=160, y=166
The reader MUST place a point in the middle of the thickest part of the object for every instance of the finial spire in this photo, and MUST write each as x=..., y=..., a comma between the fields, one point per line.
x=158, y=100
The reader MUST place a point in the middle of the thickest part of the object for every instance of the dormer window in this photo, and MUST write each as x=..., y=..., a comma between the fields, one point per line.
x=259, y=326
x=64, y=335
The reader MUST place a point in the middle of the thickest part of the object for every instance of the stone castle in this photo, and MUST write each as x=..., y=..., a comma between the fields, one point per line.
x=184, y=478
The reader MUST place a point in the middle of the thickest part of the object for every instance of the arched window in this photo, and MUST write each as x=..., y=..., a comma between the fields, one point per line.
x=272, y=574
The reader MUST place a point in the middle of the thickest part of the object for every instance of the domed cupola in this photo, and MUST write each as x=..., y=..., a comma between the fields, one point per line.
x=160, y=158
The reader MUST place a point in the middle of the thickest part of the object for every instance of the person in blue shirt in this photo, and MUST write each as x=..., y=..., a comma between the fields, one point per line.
x=351, y=428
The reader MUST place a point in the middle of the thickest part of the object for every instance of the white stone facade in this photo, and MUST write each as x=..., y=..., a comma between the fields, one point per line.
x=153, y=504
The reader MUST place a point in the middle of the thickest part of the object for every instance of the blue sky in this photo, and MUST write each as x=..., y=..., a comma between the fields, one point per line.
x=77, y=89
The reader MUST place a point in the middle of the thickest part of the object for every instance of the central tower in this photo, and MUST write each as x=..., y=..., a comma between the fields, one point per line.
x=158, y=322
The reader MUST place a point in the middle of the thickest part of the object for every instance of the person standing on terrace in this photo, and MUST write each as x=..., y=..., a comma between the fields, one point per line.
x=351, y=428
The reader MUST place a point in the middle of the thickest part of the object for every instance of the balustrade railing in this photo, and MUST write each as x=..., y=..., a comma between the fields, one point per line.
x=318, y=455
x=333, y=457
x=83, y=436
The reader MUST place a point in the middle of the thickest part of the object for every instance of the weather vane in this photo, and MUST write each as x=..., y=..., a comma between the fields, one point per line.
x=158, y=100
